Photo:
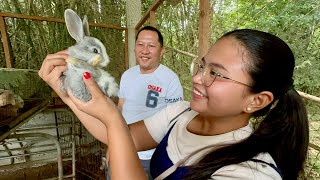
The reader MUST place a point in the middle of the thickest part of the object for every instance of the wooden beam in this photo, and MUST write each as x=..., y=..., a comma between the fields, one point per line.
x=5, y=42
x=40, y=18
x=152, y=18
x=153, y=7
x=37, y=18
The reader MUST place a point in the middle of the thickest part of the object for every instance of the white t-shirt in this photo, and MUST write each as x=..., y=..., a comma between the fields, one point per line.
x=181, y=143
x=146, y=94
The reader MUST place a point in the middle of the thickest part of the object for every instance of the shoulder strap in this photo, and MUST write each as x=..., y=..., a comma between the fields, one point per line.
x=174, y=167
x=173, y=119
x=269, y=164
x=188, y=109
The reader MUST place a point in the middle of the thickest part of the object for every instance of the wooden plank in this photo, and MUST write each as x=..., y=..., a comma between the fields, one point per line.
x=153, y=7
x=6, y=43
x=58, y=20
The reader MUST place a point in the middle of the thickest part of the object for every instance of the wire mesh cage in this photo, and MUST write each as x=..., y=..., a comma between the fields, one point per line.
x=40, y=138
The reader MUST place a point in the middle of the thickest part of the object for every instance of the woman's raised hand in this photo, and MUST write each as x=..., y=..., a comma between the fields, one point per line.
x=51, y=70
x=100, y=106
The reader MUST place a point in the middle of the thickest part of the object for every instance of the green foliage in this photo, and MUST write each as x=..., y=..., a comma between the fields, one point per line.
x=9, y=82
x=24, y=83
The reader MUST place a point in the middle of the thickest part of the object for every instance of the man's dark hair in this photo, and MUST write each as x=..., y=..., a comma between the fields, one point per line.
x=151, y=28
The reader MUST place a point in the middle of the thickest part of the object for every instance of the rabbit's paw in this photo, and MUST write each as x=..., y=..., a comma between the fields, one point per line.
x=113, y=89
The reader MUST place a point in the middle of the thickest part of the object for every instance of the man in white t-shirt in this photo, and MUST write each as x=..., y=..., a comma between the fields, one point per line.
x=149, y=86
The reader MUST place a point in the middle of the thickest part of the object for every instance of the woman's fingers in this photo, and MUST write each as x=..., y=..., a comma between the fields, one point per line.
x=99, y=103
x=51, y=61
x=52, y=68
x=92, y=85
x=93, y=89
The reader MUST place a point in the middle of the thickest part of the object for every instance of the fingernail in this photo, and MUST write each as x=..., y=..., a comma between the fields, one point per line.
x=86, y=75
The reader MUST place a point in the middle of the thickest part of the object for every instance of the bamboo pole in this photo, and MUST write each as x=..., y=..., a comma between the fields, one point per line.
x=309, y=96
x=182, y=52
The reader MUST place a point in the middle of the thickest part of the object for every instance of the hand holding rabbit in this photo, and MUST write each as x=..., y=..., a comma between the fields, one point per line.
x=99, y=105
x=52, y=68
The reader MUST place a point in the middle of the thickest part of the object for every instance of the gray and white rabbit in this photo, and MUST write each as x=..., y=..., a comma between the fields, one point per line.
x=87, y=55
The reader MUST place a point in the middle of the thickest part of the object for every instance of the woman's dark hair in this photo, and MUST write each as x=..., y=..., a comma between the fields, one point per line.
x=151, y=28
x=284, y=131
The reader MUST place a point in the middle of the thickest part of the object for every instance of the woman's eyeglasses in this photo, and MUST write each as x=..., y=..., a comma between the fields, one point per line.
x=209, y=74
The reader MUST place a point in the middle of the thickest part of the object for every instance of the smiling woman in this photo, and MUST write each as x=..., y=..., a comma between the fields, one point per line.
x=268, y=68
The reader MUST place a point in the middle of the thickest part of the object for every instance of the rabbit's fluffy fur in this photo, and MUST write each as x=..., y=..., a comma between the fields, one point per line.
x=87, y=55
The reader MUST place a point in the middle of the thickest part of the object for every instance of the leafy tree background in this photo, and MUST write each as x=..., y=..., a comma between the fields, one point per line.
x=295, y=21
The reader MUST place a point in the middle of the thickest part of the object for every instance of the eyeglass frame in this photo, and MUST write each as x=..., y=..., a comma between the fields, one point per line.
x=216, y=73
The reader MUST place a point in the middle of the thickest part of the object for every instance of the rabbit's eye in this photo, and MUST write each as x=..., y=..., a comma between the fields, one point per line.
x=95, y=50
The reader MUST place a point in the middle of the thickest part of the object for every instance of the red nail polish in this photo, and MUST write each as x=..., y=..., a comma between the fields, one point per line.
x=86, y=75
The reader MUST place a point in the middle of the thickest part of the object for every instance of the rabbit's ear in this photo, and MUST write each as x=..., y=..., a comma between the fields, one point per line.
x=86, y=25
x=74, y=25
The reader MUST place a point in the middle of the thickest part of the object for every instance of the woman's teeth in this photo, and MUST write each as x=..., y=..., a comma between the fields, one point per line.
x=198, y=93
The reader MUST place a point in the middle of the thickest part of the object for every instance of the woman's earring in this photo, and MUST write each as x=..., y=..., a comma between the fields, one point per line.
x=248, y=109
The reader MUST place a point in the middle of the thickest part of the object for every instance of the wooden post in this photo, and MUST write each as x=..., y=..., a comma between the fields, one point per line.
x=5, y=42
x=126, y=51
x=147, y=15
x=152, y=18
x=204, y=27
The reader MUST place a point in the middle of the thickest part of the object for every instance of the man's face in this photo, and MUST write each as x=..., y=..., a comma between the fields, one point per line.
x=148, y=51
